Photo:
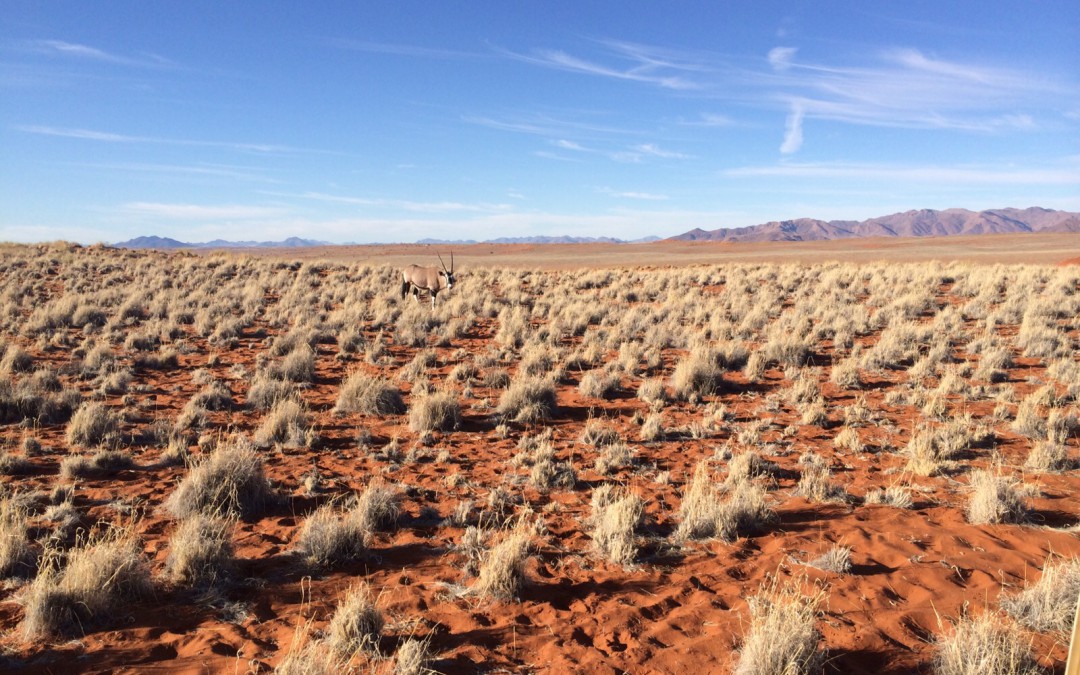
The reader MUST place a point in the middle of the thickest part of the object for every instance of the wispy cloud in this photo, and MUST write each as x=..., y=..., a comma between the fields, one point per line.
x=208, y=170
x=111, y=137
x=72, y=50
x=928, y=174
x=201, y=211
x=406, y=50
x=400, y=204
x=780, y=57
x=655, y=150
x=646, y=196
x=793, y=136
x=669, y=69
x=895, y=87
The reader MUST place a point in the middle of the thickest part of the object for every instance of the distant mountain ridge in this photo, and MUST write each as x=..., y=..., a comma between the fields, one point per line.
x=916, y=223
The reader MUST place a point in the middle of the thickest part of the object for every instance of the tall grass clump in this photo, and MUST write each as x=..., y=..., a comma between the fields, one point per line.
x=92, y=424
x=369, y=395
x=782, y=638
x=200, y=551
x=995, y=499
x=88, y=588
x=230, y=481
x=357, y=623
x=706, y=513
x=502, y=570
x=1049, y=604
x=528, y=400
x=982, y=645
x=16, y=553
x=286, y=424
x=616, y=516
x=438, y=411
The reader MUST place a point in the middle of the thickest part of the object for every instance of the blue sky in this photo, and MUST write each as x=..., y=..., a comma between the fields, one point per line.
x=378, y=122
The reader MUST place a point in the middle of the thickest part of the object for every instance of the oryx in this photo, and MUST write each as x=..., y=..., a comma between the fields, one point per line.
x=431, y=279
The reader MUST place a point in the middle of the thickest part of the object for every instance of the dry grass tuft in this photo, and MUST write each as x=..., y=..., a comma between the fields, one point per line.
x=502, y=571
x=89, y=588
x=369, y=395
x=200, y=551
x=782, y=638
x=982, y=645
x=92, y=424
x=439, y=411
x=413, y=657
x=836, y=560
x=228, y=482
x=528, y=401
x=996, y=499
x=16, y=554
x=357, y=623
x=615, y=520
x=1050, y=604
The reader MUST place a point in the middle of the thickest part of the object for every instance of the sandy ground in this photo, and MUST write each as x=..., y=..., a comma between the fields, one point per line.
x=678, y=609
x=983, y=249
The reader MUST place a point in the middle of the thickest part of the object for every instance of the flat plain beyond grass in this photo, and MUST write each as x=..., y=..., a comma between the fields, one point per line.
x=633, y=465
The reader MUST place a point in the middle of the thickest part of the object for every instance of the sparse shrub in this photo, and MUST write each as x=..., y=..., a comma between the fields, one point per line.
x=982, y=645
x=782, y=638
x=200, y=551
x=502, y=572
x=696, y=376
x=599, y=383
x=287, y=424
x=995, y=499
x=438, y=411
x=1049, y=604
x=96, y=578
x=1047, y=456
x=614, y=524
x=895, y=495
x=328, y=537
x=413, y=657
x=369, y=395
x=528, y=401
x=836, y=560
x=613, y=457
x=228, y=482
x=16, y=552
x=265, y=392
x=92, y=424
x=814, y=484
x=357, y=623
x=651, y=391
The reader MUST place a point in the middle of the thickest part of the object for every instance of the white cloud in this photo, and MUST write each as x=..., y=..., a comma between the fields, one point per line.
x=793, y=134
x=645, y=196
x=111, y=137
x=201, y=211
x=780, y=57
x=657, y=151
x=928, y=174
x=88, y=53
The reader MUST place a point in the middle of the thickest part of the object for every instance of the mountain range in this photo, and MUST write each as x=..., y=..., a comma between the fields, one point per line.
x=918, y=223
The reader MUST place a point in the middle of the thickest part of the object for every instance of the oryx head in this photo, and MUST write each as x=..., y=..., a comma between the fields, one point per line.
x=447, y=274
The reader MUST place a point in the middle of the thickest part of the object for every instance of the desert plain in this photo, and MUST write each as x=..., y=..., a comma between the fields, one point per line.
x=848, y=456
